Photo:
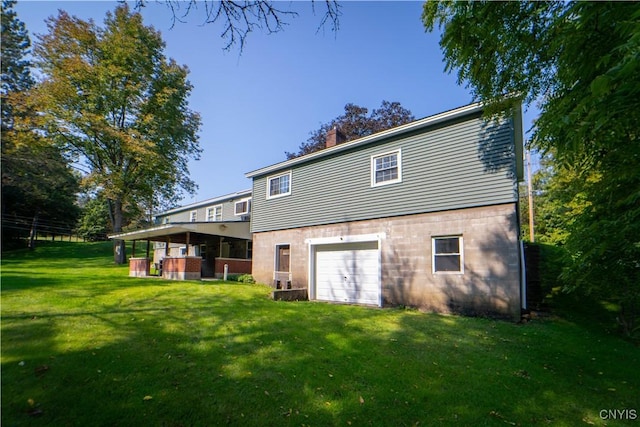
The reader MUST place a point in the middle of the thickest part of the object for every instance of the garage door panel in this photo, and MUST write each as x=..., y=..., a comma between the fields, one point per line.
x=348, y=272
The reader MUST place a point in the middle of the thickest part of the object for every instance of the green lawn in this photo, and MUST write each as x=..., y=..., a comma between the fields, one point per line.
x=85, y=345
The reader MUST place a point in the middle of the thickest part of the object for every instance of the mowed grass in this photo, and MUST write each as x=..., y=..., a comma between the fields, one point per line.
x=83, y=344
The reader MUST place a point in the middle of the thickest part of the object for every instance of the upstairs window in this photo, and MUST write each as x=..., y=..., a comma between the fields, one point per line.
x=279, y=185
x=447, y=254
x=242, y=207
x=214, y=213
x=193, y=216
x=386, y=168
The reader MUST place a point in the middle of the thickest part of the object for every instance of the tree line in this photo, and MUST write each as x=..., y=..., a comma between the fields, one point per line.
x=104, y=137
x=110, y=103
x=580, y=63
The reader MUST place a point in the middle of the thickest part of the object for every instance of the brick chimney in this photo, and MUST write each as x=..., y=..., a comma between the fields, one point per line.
x=335, y=137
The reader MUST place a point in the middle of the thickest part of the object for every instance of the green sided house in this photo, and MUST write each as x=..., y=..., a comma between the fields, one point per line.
x=423, y=215
x=196, y=240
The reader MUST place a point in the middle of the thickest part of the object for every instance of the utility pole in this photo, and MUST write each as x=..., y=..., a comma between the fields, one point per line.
x=530, y=194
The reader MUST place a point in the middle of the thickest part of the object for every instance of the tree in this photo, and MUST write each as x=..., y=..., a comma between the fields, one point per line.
x=37, y=184
x=580, y=61
x=93, y=224
x=240, y=18
x=355, y=123
x=16, y=74
x=119, y=108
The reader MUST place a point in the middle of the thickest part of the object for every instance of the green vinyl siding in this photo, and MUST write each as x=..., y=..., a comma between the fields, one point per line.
x=464, y=164
x=184, y=214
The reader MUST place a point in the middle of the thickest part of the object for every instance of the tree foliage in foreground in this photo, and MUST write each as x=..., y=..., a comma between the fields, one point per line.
x=119, y=107
x=355, y=123
x=580, y=61
x=37, y=184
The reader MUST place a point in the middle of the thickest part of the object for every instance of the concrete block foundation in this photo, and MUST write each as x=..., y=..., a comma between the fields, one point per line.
x=488, y=285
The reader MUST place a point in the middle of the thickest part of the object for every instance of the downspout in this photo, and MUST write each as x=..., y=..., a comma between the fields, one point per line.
x=523, y=277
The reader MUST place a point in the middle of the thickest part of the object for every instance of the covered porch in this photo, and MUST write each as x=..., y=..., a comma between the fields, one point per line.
x=190, y=250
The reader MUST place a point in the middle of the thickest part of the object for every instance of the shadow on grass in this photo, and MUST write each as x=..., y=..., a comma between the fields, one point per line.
x=98, y=351
x=232, y=356
x=61, y=251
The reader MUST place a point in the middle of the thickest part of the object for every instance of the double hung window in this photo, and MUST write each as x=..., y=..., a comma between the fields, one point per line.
x=386, y=168
x=279, y=185
x=214, y=213
x=447, y=254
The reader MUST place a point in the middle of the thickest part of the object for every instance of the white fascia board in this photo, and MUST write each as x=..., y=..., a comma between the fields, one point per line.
x=164, y=229
x=236, y=229
x=427, y=121
x=346, y=239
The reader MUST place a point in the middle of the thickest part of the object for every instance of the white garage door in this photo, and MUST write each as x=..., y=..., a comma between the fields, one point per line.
x=348, y=272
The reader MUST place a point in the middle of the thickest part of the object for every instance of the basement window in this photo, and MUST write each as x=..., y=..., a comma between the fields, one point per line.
x=447, y=254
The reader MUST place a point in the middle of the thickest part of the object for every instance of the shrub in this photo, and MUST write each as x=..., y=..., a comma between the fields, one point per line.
x=246, y=278
x=242, y=278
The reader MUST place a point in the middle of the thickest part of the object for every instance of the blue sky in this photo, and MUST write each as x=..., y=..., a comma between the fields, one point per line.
x=257, y=104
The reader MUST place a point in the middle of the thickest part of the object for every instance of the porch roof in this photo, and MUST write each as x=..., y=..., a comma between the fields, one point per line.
x=177, y=231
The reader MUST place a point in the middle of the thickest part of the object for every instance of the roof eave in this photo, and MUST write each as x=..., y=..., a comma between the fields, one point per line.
x=206, y=202
x=409, y=127
x=236, y=229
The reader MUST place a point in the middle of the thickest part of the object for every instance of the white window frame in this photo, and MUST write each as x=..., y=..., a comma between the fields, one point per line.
x=193, y=216
x=165, y=220
x=271, y=178
x=246, y=211
x=460, y=253
x=374, y=157
x=213, y=213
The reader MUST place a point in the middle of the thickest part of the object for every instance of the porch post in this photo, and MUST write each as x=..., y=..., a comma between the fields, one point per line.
x=148, y=244
x=133, y=250
x=166, y=245
x=188, y=238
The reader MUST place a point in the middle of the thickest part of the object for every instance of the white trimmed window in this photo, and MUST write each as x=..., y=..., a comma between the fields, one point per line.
x=193, y=216
x=242, y=207
x=386, y=168
x=447, y=254
x=165, y=220
x=279, y=185
x=214, y=213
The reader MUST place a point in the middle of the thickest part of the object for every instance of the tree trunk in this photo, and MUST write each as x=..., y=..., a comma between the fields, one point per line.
x=119, y=249
x=34, y=230
x=119, y=252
